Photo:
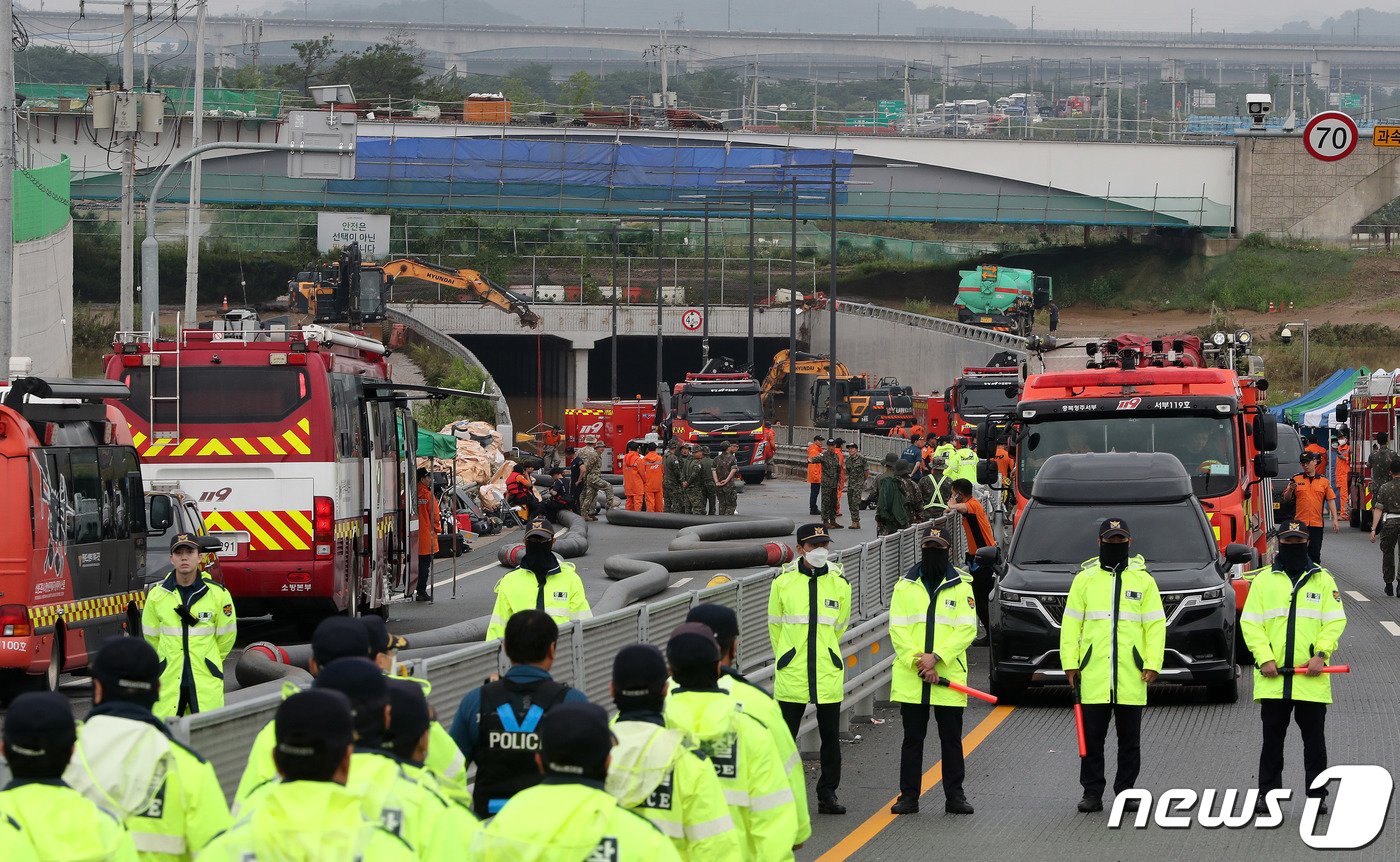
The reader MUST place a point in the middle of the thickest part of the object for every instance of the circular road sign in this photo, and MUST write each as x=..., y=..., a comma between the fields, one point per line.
x=691, y=319
x=1330, y=136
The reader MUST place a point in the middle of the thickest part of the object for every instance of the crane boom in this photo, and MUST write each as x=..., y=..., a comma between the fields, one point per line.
x=467, y=280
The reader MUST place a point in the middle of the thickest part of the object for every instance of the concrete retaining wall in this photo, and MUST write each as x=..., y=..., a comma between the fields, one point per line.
x=1284, y=192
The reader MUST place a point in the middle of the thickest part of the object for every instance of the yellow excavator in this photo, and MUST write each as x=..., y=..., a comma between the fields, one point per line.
x=469, y=281
x=860, y=404
x=810, y=364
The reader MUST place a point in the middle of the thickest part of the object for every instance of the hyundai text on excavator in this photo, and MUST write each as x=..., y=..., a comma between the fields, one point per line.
x=1170, y=395
x=469, y=281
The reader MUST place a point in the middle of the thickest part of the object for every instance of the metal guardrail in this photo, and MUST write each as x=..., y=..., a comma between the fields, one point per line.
x=873, y=446
x=585, y=651
x=923, y=321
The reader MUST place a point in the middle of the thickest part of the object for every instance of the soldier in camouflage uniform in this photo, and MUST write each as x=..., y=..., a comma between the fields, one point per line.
x=709, y=500
x=913, y=503
x=831, y=484
x=691, y=498
x=592, y=483
x=727, y=479
x=1385, y=520
x=856, y=472
x=1379, y=462
x=671, y=476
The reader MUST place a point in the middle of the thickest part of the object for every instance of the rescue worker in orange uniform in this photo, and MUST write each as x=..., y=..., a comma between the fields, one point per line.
x=428, y=519
x=815, y=450
x=1344, y=476
x=653, y=473
x=633, y=485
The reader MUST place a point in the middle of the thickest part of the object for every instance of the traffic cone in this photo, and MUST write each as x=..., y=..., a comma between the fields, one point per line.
x=1290, y=306
x=225, y=305
x=1271, y=306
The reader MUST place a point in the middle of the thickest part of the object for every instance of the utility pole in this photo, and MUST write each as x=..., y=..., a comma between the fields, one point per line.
x=127, y=303
x=1032, y=19
x=1193, y=22
x=908, y=95
x=7, y=186
x=192, y=219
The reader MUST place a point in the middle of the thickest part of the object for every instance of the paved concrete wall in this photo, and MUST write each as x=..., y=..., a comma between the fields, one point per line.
x=43, y=295
x=925, y=359
x=1283, y=191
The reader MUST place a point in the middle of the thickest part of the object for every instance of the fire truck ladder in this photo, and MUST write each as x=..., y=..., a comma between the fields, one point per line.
x=154, y=360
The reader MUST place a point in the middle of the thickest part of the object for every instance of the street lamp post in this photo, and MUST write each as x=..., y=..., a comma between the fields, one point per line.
x=614, y=311
x=705, y=294
x=1287, y=336
x=751, y=278
x=831, y=314
x=792, y=320
x=660, y=279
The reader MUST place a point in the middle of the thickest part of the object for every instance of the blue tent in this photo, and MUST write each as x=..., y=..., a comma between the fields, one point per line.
x=1318, y=395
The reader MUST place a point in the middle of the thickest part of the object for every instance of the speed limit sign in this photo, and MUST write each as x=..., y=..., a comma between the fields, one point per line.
x=691, y=319
x=1330, y=136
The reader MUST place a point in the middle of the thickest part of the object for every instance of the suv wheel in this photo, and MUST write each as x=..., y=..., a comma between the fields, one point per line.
x=1007, y=694
x=1224, y=692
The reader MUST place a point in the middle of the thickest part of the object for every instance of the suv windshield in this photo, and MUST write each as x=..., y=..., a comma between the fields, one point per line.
x=1289, y=451
x=1205, y=445
x=719, y=408
x=1051, y=535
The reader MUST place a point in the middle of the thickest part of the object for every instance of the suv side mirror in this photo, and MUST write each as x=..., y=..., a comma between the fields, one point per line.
x=1266, y=465
x=1237, y=554
x=1266, y=432
x=162, y=514
x=208, y=544
x=988, y=557
x=987, y=472
x=1343, y=411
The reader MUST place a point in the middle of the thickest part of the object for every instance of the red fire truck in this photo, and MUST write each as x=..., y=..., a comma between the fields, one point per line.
x=290, y=441
x=715, y=409
x=609, y=426
x=976, y=394
x=1374, y=408
x=72, y=528
x=1140, y=395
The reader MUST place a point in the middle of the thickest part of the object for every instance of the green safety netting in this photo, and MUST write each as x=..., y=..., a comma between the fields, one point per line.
x=241, y=104
x=41, y=201
x=431, y=445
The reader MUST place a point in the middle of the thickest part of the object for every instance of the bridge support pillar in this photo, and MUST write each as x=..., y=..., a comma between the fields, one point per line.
x=578, y=375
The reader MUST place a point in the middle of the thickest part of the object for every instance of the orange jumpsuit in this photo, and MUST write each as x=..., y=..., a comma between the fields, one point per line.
x=428, y=517
x=633, y=485
x=652, y=472
x=1343, y=479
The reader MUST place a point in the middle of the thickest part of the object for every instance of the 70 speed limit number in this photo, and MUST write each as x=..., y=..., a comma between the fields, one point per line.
x=1330, y=136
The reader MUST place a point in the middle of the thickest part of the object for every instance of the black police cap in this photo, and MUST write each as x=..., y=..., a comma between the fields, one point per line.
x=39, y=723
x=339, y=637
x=721, y=619
x=575, y=739
x=127, y=664
x=692, y=644
x=313, y=722
x=409, y=716
x=358, y=679
x=639, y=670
x=809, y=533
x=1114, y=527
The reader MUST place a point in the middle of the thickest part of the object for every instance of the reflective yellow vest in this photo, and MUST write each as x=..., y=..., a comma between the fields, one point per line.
x=62, y=825
x=1112, y=636
x=203, y=644
x=1288, y=623
x=519, y=590
x=760, y=704
x=943, y=622
x=307, y=820
x=807, y=615
x=568, y=820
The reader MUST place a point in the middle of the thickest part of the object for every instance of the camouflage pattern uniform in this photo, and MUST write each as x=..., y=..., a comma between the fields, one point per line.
x=831, y=486
x=856, y=472
x=671, y=478
x=690, y=499
x=1388, y=498
x=709, y=499
x=591, y=482
x=913, y=502
x=728, y=495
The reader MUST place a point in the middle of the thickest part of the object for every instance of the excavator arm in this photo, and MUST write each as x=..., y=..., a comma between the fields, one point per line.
x=807, y=363
x=468, y=281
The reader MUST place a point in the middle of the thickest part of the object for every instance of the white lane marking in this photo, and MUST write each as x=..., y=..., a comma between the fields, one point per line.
x=466, y=574
x=682, y=582
x=1391, y=627
x=1358, y=596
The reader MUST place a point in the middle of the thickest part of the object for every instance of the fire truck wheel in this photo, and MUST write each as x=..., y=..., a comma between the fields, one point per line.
x=56, y=658
x=13, y=683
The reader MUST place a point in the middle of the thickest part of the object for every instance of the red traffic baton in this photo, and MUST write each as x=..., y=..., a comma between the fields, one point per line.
x=971, y=692
x=1079, y=720
x=1331, y=668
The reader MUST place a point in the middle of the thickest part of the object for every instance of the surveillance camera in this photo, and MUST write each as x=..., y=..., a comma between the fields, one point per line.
x=1258, y=106
x=1286, y=336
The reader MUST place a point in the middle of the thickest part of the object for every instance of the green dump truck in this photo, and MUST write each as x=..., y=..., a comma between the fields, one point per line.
x=1002, y=298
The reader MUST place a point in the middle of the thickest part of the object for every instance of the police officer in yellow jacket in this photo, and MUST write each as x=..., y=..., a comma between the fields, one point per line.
x=1293, y=618
x=190, y=621
x=933, y=620
x=569, y=816
x=58, y=824
x=127, y=762
x=755, y=701
x=809, y=606
x=543, y=581
x=655, y=773
x=737, y=745
x=1112, y=644
x=309, y=813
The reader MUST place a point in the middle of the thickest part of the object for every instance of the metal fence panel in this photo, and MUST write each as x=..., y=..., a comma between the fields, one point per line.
x=456, y=673
x=601, y=638
x=660, y=619
x=872, y=584
x=850, y=560
x=755, y=649
x=724, y=594
x=568, y=663
x=908, y=548
x=224, y=736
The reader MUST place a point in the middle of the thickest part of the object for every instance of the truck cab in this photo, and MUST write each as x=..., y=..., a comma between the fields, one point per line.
x=715, y=409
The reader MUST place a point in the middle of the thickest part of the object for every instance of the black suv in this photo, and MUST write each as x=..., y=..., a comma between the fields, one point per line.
x=1058, y=531
x=1290, y=453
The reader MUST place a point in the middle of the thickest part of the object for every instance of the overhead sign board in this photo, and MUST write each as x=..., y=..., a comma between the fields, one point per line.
x=330, y=132
x=338, y=230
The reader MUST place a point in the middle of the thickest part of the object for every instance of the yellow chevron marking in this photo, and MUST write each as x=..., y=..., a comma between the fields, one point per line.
x=185, y=446
x=214, y=447
x=301, y=521
x=244, y=446
x=266, y=541
x=271, y=446
x=304, y=424
x=297, y=443
x=298, y=543
x=137, y=438
x=158, y=445
x=216, y=521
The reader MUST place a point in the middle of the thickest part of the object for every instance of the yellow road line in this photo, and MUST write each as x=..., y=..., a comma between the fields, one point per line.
x=876, y=823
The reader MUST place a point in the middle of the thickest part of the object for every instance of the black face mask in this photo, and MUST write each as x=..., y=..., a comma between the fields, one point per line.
x=1293, y=559
x=538, y=558
x=935, y=562
x=1113, y=555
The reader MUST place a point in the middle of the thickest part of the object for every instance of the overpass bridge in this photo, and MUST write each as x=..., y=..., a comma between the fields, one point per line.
x=468, y=47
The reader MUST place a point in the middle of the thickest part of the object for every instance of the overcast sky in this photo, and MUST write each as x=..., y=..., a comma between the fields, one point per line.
x=1159, y=14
